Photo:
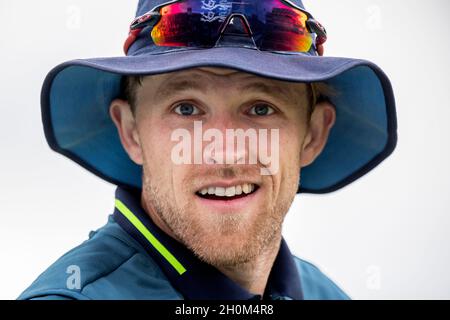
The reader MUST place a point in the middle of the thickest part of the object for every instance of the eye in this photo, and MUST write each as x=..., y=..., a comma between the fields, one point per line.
x=261, y=109
x=187, y=109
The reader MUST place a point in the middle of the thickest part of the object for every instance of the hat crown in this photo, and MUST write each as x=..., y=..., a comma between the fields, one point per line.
x=147, y=5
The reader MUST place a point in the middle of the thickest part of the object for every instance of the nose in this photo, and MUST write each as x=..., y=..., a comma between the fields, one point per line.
x=225, y=133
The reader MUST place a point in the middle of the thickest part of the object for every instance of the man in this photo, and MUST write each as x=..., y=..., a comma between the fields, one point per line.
x=221, y=112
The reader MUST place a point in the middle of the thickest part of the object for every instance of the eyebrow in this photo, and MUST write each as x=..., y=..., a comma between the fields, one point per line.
x=182, y=85
x=281, y=92
x=179, y=86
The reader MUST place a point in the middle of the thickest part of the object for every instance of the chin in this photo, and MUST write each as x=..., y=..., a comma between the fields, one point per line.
x=226, y=249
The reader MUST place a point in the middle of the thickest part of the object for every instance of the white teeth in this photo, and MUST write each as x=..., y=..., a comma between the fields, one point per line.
x=230, y=191
x=220, y=191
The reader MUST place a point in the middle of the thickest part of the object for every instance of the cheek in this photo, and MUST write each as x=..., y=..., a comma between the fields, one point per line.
x=290, y=148
x=155, y=142
x=157, y=148
x=291, y=140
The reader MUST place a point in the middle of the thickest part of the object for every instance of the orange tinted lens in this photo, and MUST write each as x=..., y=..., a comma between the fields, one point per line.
x=284, y=28
x=185, y=23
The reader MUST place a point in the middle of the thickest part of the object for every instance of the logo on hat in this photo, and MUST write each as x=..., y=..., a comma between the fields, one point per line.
x=209, y=12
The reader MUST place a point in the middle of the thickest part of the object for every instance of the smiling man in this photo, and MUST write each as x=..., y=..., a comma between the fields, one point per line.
x=210, y=135
x=240, y=233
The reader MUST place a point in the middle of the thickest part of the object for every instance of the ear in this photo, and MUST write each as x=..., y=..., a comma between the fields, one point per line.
x=123, y=118
x=322, y=120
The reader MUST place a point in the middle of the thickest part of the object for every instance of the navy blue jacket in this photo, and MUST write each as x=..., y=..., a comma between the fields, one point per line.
x=131, y=258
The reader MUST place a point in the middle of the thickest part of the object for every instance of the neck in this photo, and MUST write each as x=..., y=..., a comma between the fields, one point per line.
x=253, y=275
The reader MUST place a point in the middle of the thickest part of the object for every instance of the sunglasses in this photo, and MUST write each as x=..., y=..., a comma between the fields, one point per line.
x=271, y=25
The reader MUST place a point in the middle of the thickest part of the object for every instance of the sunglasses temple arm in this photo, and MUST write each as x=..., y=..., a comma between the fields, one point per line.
x=132, y=36
x=138, y=24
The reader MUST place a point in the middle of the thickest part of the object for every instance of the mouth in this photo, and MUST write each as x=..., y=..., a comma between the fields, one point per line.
x=230, y=193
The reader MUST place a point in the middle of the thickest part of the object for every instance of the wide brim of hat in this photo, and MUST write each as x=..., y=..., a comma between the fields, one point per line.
x=76, y=96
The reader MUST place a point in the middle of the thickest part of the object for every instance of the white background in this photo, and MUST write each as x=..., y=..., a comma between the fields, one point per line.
x=385, y=236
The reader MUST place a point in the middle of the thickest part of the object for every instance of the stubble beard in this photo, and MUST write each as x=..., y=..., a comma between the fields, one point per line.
x=226, y=240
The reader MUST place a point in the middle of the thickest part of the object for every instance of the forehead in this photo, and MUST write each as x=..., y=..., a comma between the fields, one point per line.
x=209, y=79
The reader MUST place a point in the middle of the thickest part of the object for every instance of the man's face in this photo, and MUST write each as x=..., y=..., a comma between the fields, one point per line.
x=222, y=227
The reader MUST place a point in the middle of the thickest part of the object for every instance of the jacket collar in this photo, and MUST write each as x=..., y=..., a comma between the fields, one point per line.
x=193, y=278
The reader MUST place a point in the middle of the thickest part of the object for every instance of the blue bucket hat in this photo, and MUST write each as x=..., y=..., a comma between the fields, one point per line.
x=76, y=96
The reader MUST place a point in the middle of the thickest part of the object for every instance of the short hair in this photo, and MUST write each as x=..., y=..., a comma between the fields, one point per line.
x=317, y=92
x=128, y=89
